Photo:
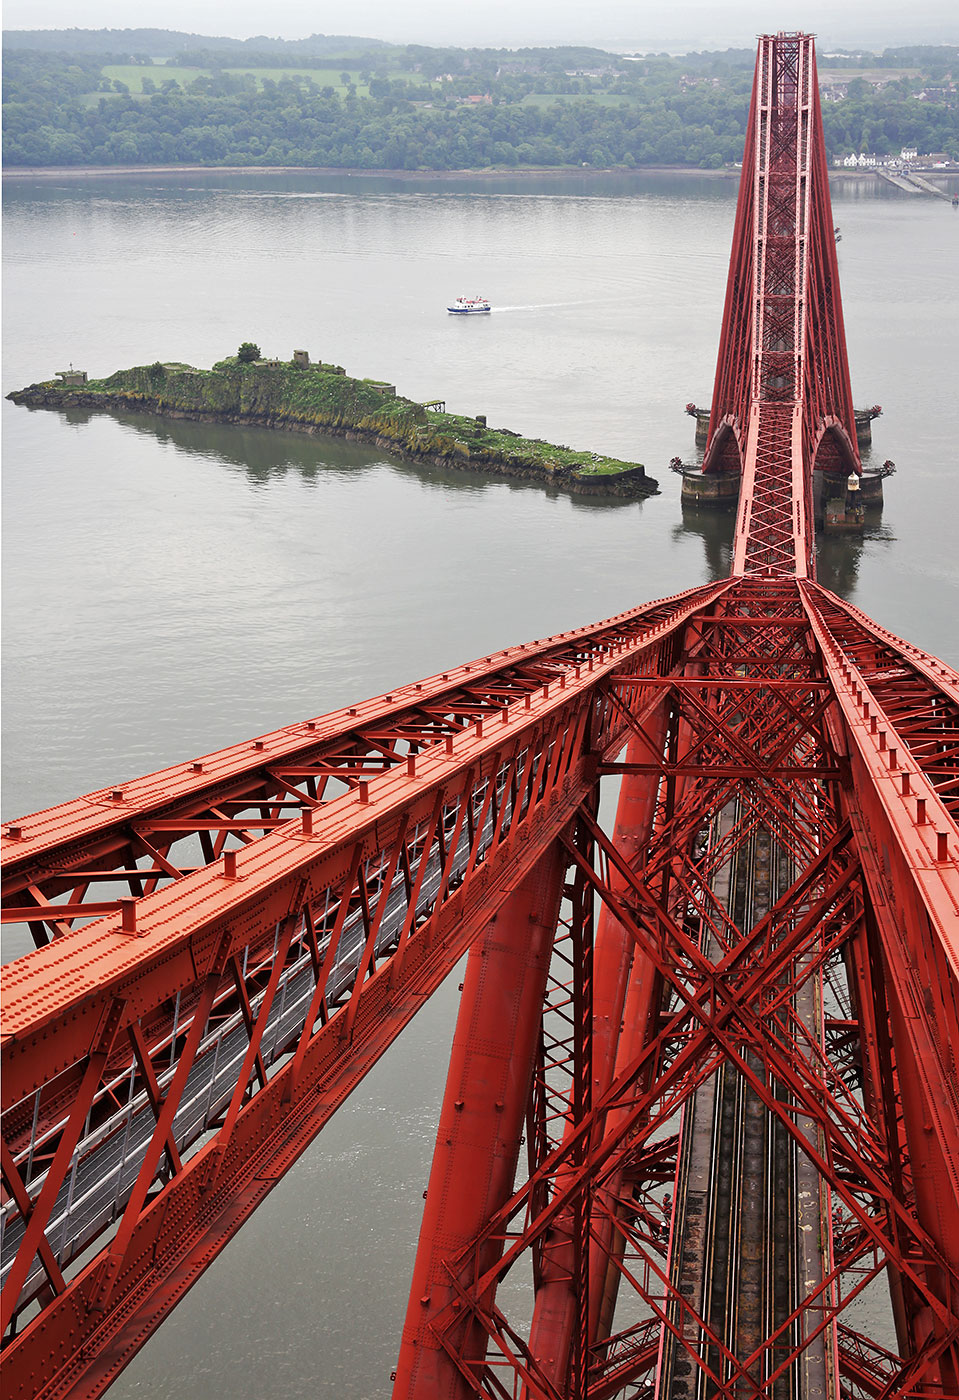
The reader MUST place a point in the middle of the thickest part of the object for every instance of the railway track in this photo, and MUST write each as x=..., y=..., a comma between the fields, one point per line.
x=737, y=1256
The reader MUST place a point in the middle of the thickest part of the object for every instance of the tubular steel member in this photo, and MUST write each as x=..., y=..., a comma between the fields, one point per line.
x=560, y=1294
x=732, y=391
x=481, y=1124
x=564, y=1263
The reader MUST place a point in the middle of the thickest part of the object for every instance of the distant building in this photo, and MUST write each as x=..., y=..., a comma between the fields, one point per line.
x=908, y=153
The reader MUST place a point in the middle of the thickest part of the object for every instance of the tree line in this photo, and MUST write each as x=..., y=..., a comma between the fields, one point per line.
x=413, y=109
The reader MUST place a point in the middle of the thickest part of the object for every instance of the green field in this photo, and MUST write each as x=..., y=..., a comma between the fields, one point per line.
x=133, y=74
x=323, y=77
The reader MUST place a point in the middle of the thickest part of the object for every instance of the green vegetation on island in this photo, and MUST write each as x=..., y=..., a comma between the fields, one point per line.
x=303, y=396
x=350, y=103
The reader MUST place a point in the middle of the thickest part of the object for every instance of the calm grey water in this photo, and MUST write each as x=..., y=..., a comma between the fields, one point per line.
x=170, y=588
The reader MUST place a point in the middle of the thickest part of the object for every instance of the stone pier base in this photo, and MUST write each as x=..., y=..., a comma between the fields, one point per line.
x=870, y=489
x=839, y=510
x=717, y=491
x=844, y=515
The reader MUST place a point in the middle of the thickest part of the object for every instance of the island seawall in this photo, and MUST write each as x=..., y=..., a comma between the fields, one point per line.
x=300, y=396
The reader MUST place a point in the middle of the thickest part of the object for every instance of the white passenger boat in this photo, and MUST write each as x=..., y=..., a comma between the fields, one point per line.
x=469, y=306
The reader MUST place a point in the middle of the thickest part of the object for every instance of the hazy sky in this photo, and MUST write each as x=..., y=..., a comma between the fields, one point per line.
x=622, y=24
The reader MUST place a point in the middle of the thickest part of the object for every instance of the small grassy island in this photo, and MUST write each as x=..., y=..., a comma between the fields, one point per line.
x=301, y=395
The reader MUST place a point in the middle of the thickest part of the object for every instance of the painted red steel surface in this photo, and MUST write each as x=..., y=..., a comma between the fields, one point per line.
x=483, y=1115
x=225, y=948
x=782, y=401
x=586, y=1220
x=475, y=776
x=857, y=826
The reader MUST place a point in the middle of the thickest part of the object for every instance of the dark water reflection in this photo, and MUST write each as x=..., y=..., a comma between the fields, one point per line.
x=264, y=453
x=261, y=452
x=716, y=532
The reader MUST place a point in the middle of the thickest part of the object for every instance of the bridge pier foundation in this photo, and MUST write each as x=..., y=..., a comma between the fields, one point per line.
x=841, y=511
x=837, y=510
x=715, y=491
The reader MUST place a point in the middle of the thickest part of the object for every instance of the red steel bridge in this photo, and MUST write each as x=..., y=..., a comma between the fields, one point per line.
x=703, y=1091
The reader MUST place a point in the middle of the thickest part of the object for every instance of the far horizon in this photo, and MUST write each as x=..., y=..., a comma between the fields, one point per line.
x=614, y=25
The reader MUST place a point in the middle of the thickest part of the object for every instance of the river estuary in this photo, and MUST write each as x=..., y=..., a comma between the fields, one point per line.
x=171, y=587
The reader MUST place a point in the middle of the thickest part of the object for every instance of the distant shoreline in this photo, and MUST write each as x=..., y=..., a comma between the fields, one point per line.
x=536, y=172
x=92, y=172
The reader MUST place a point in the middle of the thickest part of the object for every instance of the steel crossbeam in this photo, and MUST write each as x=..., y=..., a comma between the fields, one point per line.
x=912, y=691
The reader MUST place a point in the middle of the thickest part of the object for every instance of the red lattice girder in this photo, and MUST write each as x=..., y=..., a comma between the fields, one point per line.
x=298, y=963
x=744, y=1012
x=54, y=861
x=782, y=377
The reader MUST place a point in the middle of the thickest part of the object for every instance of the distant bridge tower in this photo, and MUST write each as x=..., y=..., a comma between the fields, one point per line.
x=782, y=375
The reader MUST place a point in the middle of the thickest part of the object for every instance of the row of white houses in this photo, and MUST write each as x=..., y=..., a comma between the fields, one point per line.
x=936, y=160
x=863, y=162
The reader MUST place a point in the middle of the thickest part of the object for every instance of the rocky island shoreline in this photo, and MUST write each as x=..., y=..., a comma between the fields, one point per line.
x=304, y=396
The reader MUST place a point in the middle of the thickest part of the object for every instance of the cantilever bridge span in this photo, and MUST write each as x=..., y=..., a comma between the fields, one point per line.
x=703, y=1090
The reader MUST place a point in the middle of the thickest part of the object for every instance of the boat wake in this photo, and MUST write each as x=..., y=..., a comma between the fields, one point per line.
x=547, y=305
